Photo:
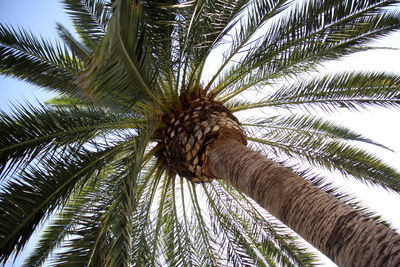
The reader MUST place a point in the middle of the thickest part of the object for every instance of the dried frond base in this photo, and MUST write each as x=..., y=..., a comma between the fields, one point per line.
x=188, y=133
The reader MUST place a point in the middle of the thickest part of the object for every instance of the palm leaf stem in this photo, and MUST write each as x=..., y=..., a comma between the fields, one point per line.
x=101, y=233
x=240, y=90
x=155, y=168
x=146, y=212
x=75, y=46
x=149, y=155
x=181, y=247
x=137, y=74
x=185, y=222
x=199, y=6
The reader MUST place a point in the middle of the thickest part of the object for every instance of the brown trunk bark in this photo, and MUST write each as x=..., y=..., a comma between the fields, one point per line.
x=337, y=230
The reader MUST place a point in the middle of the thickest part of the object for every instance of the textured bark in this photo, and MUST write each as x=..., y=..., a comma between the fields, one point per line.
x=337, y=230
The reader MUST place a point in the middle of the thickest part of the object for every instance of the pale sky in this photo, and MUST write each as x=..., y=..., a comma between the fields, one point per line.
x=381, y=125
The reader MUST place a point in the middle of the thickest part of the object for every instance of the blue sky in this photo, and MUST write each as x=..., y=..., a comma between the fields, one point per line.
x=381, y=125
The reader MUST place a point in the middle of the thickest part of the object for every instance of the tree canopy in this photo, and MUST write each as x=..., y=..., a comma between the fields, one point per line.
x=89, y=163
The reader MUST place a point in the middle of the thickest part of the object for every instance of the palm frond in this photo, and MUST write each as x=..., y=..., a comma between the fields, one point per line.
x=121, y=246
x=350, y=90
x=160, y=221
x=311, y=33
x=62, y=225
x=87, y=245
x=159, y=18
x=175, y=246
x=143, y=219
x=32, y=132
x=306, y=125
x=54, y=65
x=207, y=24
x=122, y=70
x=60, y=101
x=39, y=190
x=90, y=18
x=233, y=240
x=254, y=16
x=79, y=49
x=334, y=155
x=207, y=243
x=271, y=243
x=92, y=234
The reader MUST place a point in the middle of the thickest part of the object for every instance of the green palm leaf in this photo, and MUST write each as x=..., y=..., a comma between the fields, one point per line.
x=90, y=18
x=33, y=132
x=78, y=48
x=307, y=36
x=54, y=65
x=334, y=155
x=123, y=61
x=39, y=191
x=263, y=240
x=305, y=125
x=64, y=222
x=334, y=91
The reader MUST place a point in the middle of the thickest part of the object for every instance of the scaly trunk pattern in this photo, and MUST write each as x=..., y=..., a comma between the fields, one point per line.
x=337, y=230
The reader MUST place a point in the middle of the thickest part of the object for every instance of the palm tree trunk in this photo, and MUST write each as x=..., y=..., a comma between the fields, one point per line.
x=337, y=230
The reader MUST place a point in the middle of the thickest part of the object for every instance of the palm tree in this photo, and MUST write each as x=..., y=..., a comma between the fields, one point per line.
x=141, y=160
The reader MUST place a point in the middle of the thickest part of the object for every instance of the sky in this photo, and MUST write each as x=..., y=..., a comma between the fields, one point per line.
x=381, y=125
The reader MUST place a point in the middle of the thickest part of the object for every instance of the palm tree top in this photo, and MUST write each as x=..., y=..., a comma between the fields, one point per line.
x=116, y=164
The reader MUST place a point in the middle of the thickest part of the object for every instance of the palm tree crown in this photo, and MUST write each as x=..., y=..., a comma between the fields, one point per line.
x=116, y=166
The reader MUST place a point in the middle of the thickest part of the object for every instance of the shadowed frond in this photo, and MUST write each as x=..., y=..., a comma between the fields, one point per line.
x=33, y=132
x=87, y=243
x=124, y=205
x=39, y=190
x=98, y=222
x=64, y=222
x=64, y=101
x=122, y=69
